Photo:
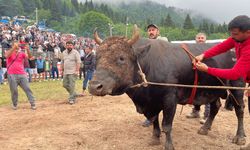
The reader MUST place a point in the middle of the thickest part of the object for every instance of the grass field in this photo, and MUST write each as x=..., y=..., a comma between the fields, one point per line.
x=49, y=90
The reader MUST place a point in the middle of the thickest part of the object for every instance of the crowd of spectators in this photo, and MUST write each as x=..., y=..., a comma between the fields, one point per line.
x=46, y=48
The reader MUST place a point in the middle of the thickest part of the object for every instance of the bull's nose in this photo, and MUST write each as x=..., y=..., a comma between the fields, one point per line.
x=96, y=86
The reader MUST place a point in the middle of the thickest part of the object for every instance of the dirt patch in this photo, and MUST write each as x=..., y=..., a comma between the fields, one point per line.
x=106, y=123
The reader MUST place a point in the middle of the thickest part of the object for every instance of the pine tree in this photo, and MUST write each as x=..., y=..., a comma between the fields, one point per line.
x=169, y=22
x=205, y=27
x=55, y=11
x=224, y=27
x=211, y=28
x=188, y=23
x=91, y=5
x=75, y=4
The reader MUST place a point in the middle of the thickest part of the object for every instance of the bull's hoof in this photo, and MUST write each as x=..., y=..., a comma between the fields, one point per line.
x=169, y=147
x=155, y=141
x=239, y=140
x=203, y=131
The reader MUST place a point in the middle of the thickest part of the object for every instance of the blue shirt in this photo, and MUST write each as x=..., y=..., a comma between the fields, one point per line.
x=40, y=63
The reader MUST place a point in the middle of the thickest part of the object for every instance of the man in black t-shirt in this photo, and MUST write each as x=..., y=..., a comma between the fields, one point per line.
x=32, y=63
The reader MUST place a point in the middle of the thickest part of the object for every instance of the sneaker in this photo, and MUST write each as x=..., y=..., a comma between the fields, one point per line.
x=146, y=123
x=193, y=114
x=203, y=120
x=71, y=102
x=33, y=107
x=14, y=107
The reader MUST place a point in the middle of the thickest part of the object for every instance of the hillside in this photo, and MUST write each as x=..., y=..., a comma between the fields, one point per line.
x=147, y=11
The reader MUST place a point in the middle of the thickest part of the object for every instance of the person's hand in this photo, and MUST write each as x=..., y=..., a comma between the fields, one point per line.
x=15, y=46
x=198, y=58
x=201, y=66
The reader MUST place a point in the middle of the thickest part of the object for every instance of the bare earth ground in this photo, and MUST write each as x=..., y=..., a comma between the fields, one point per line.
x=105, y=123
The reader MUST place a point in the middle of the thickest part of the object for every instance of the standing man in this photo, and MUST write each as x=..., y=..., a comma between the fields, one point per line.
x=153, y=32
x=239, y=29
x=70, y=68
x=16, y=73
x=200, y=38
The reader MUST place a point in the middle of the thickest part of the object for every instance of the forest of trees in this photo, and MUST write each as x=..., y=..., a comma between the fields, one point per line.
x=70, y=16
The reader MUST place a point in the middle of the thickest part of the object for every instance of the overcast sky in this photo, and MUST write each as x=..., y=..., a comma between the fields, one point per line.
x=218, y=10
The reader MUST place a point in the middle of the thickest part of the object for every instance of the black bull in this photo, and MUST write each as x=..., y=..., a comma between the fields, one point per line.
x=163, y=62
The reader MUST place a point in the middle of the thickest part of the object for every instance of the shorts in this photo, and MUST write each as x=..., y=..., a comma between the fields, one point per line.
x=40, y=70
x=33, y=70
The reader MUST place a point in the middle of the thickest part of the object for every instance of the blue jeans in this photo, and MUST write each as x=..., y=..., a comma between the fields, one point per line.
x=28, y=70
x=88, y=77
x=53, y=71
x=1, y=75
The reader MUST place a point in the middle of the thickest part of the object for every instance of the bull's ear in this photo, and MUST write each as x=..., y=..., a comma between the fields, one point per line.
x=142, y=50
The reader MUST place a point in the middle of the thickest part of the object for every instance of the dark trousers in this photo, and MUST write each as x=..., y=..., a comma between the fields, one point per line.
x=53, y=71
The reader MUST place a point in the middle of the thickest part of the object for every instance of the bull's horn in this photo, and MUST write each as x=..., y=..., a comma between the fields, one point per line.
x=97, y=39
x=135, y=35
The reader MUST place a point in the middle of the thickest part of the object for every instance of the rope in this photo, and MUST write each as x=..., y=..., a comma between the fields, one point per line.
x=189, y=86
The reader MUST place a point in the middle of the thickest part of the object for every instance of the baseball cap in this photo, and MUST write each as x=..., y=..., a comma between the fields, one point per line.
x=152, y=25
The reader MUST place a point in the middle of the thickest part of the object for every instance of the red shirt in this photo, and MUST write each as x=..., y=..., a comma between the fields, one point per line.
x=17, y=66
x=242, y=65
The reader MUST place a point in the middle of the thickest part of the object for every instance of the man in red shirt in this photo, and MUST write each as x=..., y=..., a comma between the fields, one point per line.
x=16, y=73
x=239, y=29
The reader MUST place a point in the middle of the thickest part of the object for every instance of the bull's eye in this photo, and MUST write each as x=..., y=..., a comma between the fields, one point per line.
x=121, y=60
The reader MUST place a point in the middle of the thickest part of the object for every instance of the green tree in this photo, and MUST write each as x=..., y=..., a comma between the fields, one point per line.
x=44, y=14
x=211, y=28
x=55, y=11
x=29, y=6
x=224, y=27
x=169, y=22
x=75, y=4
x=11, y=8
x=91, y=20
x=219, y=29
x=205, y=27
x=188, y=24
x=46, y=4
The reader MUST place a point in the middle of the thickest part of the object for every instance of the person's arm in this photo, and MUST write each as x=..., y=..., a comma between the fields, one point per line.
x=219, y=48
x=240, y=69
x=216, y=50
x=62, y=64
x=78, y=62
x=9, y=52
